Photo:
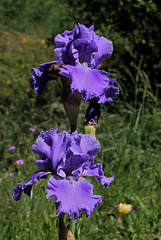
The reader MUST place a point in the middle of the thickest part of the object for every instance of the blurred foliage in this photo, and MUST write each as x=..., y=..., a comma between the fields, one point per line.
x=39, y=16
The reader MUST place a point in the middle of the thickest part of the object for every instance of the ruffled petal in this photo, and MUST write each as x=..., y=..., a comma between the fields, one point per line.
x=41, y=148
x=83, y=32
x=74, y=165
x=82, y=149
x=111, y=90
x=85, y=144
x=26, y=187
x=59, y=143
x=84, y=51
x=90, y=82
x=62, y=42
x=82, y=45
x=96, y=171
x=73, y=196
x=40, y=76
x=110, y=93
x=105, y=49
x=17, y=191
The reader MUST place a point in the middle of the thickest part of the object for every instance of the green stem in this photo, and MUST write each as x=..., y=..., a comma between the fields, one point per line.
x=72, y=225
x=62, y=228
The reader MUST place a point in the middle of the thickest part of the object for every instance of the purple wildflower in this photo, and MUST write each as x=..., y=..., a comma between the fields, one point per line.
x=69, y=158
x=80, y=52
x=11, y=174
x=20, y=162
x=12, y=148
x=32, y=129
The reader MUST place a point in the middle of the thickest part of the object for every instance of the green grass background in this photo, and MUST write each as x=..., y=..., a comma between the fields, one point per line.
x=129, y=132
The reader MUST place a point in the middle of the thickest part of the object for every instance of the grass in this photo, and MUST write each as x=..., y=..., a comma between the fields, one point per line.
x=129, y=134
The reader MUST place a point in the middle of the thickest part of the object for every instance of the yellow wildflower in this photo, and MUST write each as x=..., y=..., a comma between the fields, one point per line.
x=8, y=81
x=122, y=209
x=42, y=41
x=24, y=40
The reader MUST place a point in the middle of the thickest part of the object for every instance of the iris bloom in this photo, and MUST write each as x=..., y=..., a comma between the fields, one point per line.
x=68, y=158
x=80, y=53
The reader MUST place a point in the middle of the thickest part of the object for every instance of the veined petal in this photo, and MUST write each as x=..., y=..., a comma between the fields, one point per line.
x=73, y=196
x=85, y=50
x=41, y=148
x=93, y=145
x=90, y=82
x=96, y=171
x=109, y=94
x=83, y=149
x=83, y=32
x=26, y=187
x=85, y=144
x=111, y=90
x=58, y=142
x=62, y=42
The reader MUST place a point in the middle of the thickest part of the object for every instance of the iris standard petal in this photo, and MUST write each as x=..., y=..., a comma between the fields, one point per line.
x=105, y=49
x=62, y=42
x=84, y=50
x=73, y=196
x=58, y=142
x=41, y=148
x=85, y=144
x=83, y=32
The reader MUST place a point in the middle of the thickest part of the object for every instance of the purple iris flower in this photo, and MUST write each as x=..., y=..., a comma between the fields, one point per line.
x=80, y=52
x=69, y=158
